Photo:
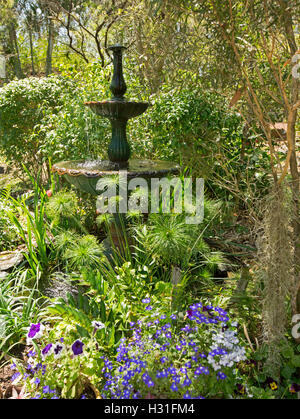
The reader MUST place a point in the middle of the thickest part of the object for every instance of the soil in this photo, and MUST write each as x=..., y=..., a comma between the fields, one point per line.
x=5, y=382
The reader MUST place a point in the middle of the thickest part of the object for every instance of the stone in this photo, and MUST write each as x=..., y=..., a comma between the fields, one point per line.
x=9, y=260
x=3, y=275
x=58, y=286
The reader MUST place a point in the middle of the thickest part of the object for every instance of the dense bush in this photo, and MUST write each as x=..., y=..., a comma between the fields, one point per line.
x=45, y=118
x=186, y=125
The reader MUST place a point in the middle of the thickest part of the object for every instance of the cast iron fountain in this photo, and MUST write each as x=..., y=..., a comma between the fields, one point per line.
x=84, y=174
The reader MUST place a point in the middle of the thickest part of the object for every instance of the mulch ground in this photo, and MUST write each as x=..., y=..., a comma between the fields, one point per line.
x=5, y=382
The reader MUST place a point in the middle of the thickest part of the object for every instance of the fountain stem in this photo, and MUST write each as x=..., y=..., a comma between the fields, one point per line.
x=118, y=86
x=119, y=149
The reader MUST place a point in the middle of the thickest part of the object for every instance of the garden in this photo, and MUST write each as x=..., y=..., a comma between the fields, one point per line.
x=153, y=302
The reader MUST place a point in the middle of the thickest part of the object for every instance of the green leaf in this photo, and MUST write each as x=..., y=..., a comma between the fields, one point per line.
x=287, y=352
x=82, y=331
x=296, y=361
x=111, y=338
x=287, y=371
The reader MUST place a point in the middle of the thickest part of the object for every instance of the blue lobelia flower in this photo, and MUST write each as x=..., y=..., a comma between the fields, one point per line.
x=174, y=387
x=146, y=300
x=46, y=389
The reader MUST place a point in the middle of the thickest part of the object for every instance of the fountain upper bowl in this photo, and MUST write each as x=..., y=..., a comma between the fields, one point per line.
x=118, y=109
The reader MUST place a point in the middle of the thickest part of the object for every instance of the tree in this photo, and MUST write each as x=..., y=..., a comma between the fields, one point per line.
x=9, y=37
x=86, y=24
x=261, y=42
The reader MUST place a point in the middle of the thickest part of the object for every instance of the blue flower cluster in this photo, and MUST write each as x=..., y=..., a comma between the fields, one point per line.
x=34, y=370
x=140, y=368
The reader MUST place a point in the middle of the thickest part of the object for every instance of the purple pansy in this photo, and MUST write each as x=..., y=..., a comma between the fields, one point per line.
x=77, y=347
x=35, y=332
x=47, y=350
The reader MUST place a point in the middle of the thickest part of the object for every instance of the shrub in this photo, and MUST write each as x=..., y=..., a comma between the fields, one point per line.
x=187, y=126
x=45, y=118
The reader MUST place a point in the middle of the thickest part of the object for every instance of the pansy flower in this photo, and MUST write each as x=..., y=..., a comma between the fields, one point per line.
x=273, y=386
x=295, y=388
x=35, y=332
x=77, y=347
x=47, y=350
x=98, y=325
x=58, y=350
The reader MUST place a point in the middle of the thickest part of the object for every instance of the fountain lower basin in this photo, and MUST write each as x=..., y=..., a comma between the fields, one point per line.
x=84, y=174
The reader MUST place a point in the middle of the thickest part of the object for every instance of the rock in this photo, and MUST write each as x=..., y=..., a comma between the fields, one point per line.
x=58, y=286
x=9, y=260
x=3, y=275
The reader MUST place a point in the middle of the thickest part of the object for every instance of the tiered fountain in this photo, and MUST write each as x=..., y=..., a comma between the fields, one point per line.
x=84, y=174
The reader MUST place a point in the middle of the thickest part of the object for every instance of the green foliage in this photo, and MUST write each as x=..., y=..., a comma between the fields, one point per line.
x=187, y=124
x=84, y=253
x=20, y=304
x=45, y=118
x=170, y=238
x=31, y=227
x=280, y=386
x=9, y=237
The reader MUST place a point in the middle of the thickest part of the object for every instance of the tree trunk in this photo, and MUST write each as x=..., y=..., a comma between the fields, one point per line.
x=295, y=182
x=15, y=59
x=50, y=48
x=31, y=51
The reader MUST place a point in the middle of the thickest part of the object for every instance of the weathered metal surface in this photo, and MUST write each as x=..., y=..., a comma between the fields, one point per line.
x=84, y=174
x=118, y=109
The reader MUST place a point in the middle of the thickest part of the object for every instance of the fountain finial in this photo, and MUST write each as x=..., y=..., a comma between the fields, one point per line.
x=118, y=86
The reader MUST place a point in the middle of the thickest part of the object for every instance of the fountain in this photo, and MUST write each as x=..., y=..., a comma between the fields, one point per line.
x=84, y=174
